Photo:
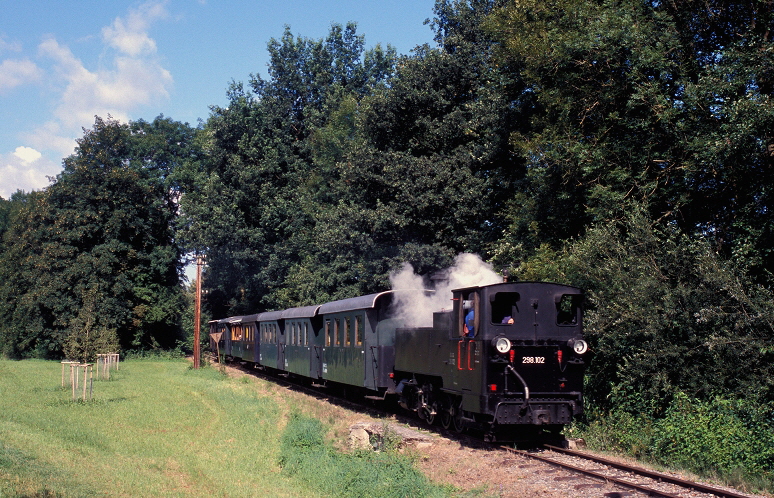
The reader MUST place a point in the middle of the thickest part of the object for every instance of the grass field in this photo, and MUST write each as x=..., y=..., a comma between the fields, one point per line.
x=157, y=428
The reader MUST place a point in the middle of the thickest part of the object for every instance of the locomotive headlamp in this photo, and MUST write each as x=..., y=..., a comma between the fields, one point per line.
x=578, y=345
x=502, y=344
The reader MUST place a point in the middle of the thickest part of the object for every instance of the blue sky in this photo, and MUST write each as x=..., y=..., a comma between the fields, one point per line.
x=62, y=63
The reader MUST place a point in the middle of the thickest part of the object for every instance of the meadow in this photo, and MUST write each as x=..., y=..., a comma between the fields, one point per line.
x=160, y=428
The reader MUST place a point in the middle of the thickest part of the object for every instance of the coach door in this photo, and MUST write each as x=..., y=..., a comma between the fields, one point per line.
x=282, y=363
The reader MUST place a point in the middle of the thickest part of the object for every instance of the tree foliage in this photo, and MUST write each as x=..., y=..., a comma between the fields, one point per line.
x=98, y=242
x=665, y=103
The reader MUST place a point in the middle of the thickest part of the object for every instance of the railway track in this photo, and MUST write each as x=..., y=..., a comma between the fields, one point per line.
x=597, y=470
x=638, y=479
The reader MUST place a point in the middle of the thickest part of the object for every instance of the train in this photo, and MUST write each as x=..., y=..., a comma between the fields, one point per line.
x=506, y=359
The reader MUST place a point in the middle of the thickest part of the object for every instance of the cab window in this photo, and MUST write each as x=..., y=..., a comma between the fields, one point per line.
x=505, y=307
x=568, y=309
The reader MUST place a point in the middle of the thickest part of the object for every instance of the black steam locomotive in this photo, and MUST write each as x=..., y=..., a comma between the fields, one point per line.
x=507, y=359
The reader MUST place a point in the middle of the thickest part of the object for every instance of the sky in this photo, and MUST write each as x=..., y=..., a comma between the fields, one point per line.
x=62, y=63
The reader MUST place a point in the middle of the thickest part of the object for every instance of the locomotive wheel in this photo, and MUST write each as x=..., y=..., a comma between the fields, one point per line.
x=429, y=415
x=446, y=411
x=459, y=424
x=446, y=418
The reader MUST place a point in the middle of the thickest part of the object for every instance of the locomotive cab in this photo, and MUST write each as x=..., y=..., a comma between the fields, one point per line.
x=532, y=341
x=508, y=359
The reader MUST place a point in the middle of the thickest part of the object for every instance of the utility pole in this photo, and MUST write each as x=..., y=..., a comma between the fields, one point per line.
x=198, y=312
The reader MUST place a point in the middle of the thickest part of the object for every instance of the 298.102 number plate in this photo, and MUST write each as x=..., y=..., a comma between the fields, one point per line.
x=533, y=359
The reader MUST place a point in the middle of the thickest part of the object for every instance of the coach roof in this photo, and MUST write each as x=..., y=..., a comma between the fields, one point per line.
x=302, y=312
x=362, y=302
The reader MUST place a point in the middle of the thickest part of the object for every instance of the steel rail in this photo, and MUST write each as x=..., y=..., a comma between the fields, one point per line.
x=594, y=474
x=652, y=474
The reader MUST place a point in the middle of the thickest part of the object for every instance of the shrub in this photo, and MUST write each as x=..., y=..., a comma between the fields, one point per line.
x=731, y=439
x=719, y=437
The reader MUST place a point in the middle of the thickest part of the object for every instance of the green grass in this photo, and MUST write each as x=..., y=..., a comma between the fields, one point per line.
x=157, y=428
x=307, y=456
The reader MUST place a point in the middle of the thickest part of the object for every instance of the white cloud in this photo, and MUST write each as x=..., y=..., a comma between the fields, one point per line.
x=27, y=154
x=128, y=78
x=17, y=172
x=9, y=46
x=15, y=72
x=51, y=136
x=130, y=35
x=133, y=78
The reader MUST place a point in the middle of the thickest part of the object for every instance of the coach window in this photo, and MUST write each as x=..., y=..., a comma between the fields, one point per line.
x=306, y=334
x=505, y=307
x=327, y=332
x=337, y=332
x=347, y=341
x=358, y=332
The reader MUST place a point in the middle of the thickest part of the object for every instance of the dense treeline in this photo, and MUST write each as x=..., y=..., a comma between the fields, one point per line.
x=621, y=146
x=92, y=261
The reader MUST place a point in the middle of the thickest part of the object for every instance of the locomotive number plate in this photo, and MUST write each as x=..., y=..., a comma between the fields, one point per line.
x=533, y=359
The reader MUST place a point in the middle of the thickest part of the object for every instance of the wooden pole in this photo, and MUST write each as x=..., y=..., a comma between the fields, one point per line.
x=74, y=377
x=197, y=312
x=85, y=380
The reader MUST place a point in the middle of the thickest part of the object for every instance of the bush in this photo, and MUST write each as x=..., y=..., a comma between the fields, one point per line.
x=730, y=439
x=720, y=437
x=620, y=432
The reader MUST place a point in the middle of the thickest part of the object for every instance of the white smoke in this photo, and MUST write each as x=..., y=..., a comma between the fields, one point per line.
x=416, y=310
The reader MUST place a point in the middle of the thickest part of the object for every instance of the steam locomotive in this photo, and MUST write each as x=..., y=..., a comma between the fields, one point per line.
x=506, y=359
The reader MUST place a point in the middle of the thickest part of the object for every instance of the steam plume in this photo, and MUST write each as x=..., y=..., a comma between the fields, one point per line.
x=417, y=311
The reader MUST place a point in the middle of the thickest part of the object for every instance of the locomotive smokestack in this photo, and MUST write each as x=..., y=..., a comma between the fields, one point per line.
x=506, y=276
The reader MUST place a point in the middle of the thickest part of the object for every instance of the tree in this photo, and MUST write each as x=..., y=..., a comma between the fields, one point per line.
x=662, y=102
x=247, y=208
x=420, y=169
x=98, y=241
